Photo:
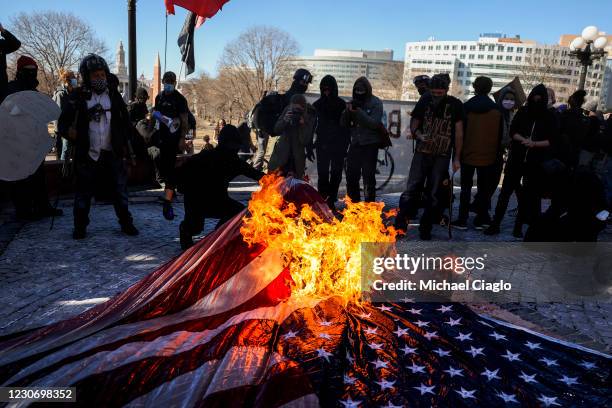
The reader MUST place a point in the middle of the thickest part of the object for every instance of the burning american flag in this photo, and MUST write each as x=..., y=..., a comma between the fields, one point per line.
x=265, y=312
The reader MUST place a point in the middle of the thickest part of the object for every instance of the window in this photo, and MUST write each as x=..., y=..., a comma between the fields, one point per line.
x=510, y=49
x=462, y=56
x=480, y=56
x=472, y=48
x=422, y=48
x=454, y=47
x=500, y=57
x=430, y=48
x=437, y=47
x=463, y=47
x=446, y=47
x=508, y=57
x=519, y=50
x=500, y=48
x=481, y=47
x=538, y=51
x=471, y=56
x=546, y=52
x=528, y=50
x=489, y=57
x=518, y=59
x=491, y=48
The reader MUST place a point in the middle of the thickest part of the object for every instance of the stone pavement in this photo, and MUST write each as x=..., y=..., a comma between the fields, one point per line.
x=45, y=276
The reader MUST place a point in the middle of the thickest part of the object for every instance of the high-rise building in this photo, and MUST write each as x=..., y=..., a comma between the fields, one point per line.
x=501, y=58
x=347, y=65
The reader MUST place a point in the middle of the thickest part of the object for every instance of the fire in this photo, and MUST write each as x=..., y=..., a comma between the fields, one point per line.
x=322, y=252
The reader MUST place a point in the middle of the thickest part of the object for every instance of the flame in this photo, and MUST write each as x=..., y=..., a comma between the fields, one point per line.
x=322, y=252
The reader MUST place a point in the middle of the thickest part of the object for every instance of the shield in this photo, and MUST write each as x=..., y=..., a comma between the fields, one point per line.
x=24, y=138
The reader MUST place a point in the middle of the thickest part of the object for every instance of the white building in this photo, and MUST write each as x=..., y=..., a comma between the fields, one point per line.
x=606, y=90
x=120, y=69
x=347, y=65
x=501, y=58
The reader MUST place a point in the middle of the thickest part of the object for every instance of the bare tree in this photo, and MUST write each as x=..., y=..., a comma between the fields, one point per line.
x=252, y=64
x=57, y=41
x=389, y=85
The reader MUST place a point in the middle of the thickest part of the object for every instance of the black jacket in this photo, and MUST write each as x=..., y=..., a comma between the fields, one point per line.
x=208, y=174
x=8, y=44
x=331, y=136
x=120, y=123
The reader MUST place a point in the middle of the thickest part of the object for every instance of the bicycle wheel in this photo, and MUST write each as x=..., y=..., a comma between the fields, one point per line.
x=384, y=170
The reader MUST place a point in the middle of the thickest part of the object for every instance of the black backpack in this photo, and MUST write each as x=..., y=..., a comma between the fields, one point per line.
x=267, y=111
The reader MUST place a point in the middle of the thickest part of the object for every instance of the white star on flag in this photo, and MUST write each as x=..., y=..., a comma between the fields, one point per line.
x=415, y=311
x=400, y=332
x=407, y=300
x=533, y=346
x=349, y=403
x=375, y=346
x=349, y=380
x=475, y=351
x=491, y=374
x=365, y=315
x=421, y=323
x=452, y=322
x=444, y=309
x=371, y=330
x=442, y=353
x=588, y=365
x=384, y=384
x=511, y=356
x=425, y=389
x=379, y=363
x=549, y=362
x=454, y=371
x=569, y=380
x=384, y=308
x=408, y=350
x=325, y=323
x=465, y=393
x=324, y=354
x=290, y=335
x=548, y=401
x=430, y=335
x=498, y=336
x=416, y=368
x=528, y=378
x=325, y=336
x=507, y=397
x=463, y=337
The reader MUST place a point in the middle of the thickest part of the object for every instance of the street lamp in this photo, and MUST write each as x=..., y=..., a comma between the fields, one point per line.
x=587, y=48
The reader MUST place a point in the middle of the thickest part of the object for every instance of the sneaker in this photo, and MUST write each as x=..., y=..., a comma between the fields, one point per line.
x=185, y=238
x=481, y=223
x=129, y=229
x=79, y=233
x=168, y=211
x=459, y=224
x=492, y=229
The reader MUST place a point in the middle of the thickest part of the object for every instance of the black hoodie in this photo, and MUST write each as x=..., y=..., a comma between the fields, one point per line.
x=366, y=120
x=534, y=121
x=330, y=135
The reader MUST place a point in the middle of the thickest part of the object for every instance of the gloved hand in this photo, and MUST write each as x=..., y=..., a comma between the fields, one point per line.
x=310, y=155
x=168, y=211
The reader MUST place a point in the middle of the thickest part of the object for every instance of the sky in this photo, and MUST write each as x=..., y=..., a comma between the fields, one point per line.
x=343, y=24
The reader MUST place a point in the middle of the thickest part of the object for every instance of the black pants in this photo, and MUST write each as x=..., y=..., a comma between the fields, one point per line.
x=329, y=170
x=198, y=208
x=530, y=204
x=165, y=162
x=485, y=185
x=511, y=184
x=361, y=161
x=30, y=194
x=89, y=175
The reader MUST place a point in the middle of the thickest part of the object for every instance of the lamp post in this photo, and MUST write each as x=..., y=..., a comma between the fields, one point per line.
x=587, y=48
x=132, y=83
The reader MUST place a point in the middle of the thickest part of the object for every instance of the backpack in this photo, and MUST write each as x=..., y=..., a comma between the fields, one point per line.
x=267, y=112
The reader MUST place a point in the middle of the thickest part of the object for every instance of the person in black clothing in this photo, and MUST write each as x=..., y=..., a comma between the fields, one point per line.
x=533, y=130
x=29, y=195
x=172, y=104
x=332, y=140
x=102, y=126
x=204, y=179
x=137, y=108
x=8, y=44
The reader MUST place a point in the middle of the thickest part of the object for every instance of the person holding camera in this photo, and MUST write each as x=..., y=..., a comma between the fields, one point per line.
x=98, y=124
x=363, y=116
x=296, y=129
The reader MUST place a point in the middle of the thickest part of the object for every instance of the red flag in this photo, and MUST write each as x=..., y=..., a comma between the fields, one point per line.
x=202, y=8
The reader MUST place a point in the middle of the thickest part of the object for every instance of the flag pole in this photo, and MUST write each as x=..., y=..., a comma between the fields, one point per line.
x=166, y=45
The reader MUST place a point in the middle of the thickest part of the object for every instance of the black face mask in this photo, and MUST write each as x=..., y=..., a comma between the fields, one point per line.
x=28, y=78
x=537, y=107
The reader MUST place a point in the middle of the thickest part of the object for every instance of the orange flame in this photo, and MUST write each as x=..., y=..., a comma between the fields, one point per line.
x=323, y=254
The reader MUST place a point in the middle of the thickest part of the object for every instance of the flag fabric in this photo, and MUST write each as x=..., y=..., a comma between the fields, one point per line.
x=217, y=326
x=185, y=43
x=202, y=8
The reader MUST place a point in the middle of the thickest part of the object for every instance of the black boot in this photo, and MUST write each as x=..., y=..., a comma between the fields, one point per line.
x=185, y=237
x=128, y=228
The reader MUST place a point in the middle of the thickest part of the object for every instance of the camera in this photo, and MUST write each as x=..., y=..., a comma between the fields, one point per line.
x=295, y=115
x=356, y=104
x=95, y=112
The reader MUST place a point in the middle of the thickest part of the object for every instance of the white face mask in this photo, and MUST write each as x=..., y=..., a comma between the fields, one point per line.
x=508, y=104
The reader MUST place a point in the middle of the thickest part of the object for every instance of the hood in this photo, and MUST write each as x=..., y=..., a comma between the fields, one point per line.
x=502, y=94
x=480, y=104
x=366, y=83
x=329, y=82
x=538, y=90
